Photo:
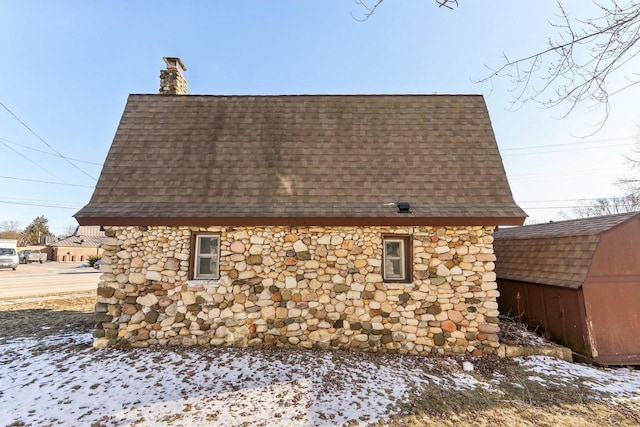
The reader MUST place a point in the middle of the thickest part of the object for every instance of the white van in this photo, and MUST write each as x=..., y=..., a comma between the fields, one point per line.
x=8, y=254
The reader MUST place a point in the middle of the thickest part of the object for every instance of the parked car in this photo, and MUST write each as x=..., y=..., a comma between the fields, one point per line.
x=32, y=255
x=8, y=255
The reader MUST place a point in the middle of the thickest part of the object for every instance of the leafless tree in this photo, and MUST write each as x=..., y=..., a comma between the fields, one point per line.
x=614, y=205
x=632, y=184
x=10, y=230
x=371, y=6
x=69, y=230
x=580, y=61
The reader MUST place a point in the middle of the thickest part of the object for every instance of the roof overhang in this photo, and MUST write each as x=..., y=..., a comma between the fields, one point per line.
x=300, y=221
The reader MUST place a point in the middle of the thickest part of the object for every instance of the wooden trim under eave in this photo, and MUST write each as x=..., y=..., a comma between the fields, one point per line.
x=300, y=221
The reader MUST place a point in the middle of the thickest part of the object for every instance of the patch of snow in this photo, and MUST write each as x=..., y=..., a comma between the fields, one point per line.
x=62, y=380
x=615, y=381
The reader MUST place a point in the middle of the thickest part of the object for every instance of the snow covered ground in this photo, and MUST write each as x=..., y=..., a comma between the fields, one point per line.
x=63, y=380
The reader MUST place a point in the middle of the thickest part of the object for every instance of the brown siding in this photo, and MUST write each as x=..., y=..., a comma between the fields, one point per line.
x=601, y=316
x=618, y=252
x=613, y=310
x=557, y=313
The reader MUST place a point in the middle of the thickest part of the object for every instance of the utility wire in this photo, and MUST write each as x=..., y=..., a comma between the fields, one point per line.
x=31, y=161
x=564, y=144
x=45, y=142
x=53, y=202
x=46, y=152
x=36, y=204
x=564, y=150
x=45, y=182
x=548, y=207
x=566, y=200
x=580, y=172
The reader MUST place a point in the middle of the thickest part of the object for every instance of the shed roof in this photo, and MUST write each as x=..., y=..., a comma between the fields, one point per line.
x=305, y=159
x=556, y=253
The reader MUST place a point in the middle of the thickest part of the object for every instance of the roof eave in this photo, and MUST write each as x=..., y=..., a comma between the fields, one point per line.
x=300, y=221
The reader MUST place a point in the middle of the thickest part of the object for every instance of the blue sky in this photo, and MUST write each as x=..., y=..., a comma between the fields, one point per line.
x=68, y=67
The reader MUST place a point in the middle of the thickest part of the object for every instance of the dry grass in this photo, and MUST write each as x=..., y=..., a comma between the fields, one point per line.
x=46, y=317
x=514, y=413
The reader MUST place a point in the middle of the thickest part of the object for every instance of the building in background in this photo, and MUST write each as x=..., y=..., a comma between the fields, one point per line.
x=85, y=242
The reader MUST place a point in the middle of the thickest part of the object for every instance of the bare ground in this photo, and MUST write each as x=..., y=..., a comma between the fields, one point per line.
x=524, y=402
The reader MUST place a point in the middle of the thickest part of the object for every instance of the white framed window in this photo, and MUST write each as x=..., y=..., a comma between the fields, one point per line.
x=206, y=264
x=396, y=258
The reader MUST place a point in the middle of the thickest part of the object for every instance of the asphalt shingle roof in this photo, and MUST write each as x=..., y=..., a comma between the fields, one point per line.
x=80, y=241
x=556, y=253
x=84, y=237
x=303, y=156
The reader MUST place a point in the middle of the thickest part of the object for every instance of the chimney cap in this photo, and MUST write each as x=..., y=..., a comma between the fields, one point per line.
x=174, y=62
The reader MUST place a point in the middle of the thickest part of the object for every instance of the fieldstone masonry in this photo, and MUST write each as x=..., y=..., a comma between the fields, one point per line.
x=172, y=81
x=311, y=287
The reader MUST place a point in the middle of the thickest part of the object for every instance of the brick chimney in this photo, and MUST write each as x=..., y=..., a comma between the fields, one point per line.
x=172, y=82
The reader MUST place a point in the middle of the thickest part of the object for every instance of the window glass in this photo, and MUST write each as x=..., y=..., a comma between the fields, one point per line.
x=395, y=262
x=206, y=263
x=208, y=245
x=206, y=266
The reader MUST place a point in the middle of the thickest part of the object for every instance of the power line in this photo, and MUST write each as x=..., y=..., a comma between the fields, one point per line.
x=31, y=161
x=564, y=144
x=54, y=202
x=36, y=204
x=45, y=152
x=45, y=182
x=569, y=149
x=575, y=205
x=45, y=142
x=564, y=200
x=549, y=207
x=564, y=173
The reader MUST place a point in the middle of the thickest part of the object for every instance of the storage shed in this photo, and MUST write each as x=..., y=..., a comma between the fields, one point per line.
x=577, y=281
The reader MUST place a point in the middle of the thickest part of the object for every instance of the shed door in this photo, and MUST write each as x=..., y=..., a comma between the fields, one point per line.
x=613, y=314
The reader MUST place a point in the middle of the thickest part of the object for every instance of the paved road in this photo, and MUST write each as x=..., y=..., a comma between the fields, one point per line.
x=31, y=280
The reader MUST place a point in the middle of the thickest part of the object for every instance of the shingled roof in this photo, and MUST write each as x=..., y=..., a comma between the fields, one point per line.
x=84, y=237
x=303, y=159
x=556, y=253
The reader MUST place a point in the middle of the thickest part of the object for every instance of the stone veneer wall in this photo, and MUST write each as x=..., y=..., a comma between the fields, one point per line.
x=172, y=82
x=312, y=287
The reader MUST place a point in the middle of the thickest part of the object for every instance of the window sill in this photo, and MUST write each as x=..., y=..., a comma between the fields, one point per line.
x=397, y=285
x=201, y=284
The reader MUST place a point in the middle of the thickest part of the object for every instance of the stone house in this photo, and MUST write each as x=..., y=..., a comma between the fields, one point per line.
x=318, y=221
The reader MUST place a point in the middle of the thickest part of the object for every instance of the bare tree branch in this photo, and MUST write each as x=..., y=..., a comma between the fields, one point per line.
x=579, y=62
x=370, y=10
x=614, y=205
x=632, y=185
x=449, y=4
